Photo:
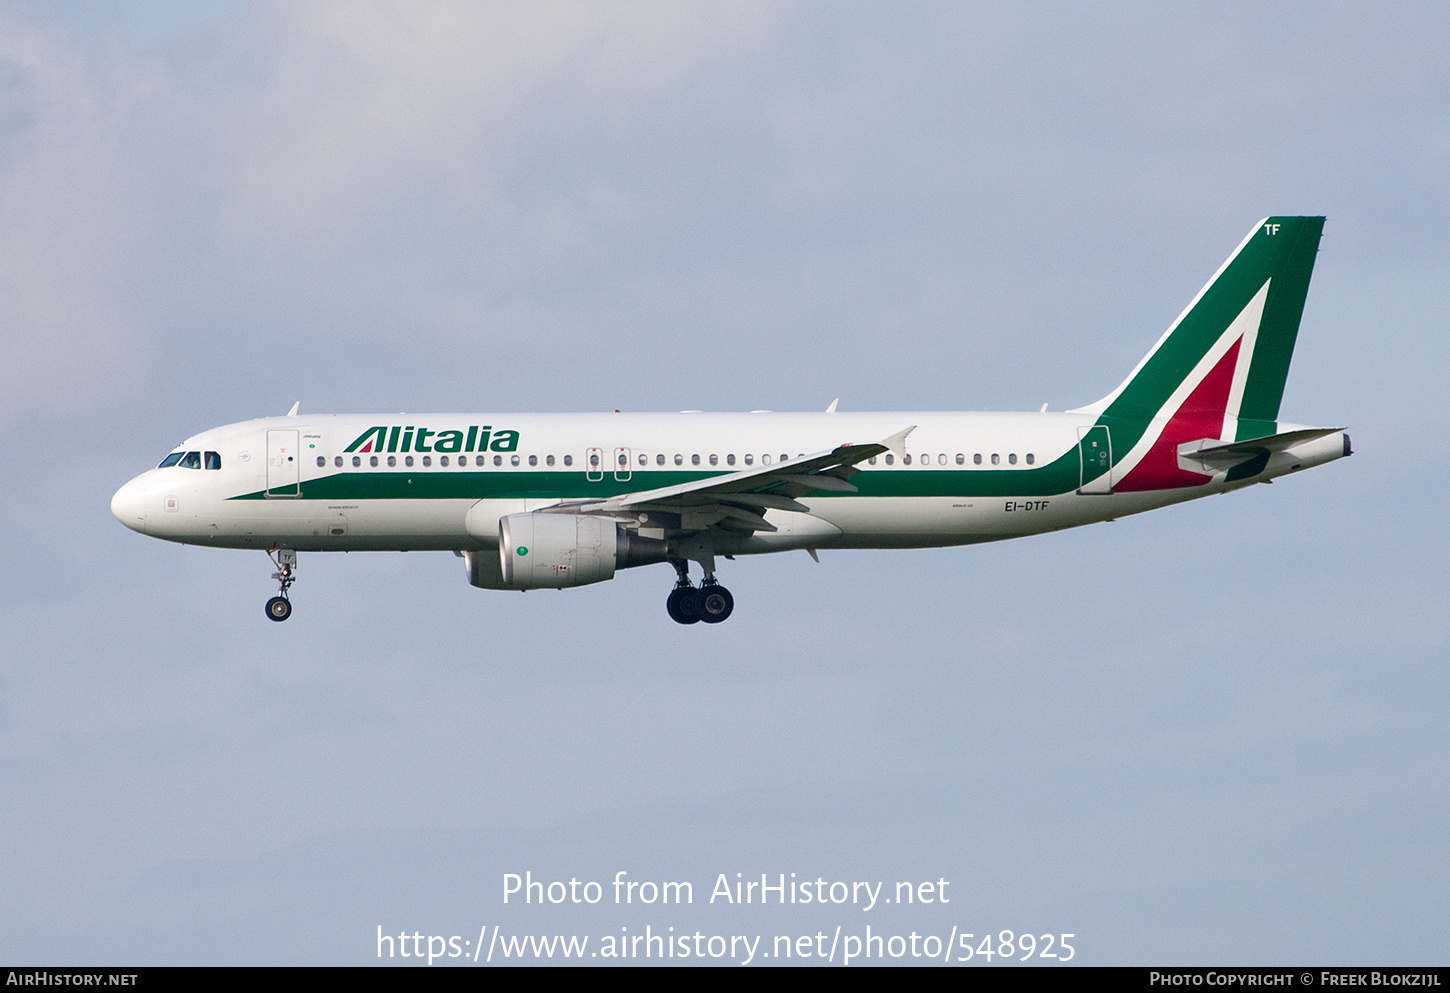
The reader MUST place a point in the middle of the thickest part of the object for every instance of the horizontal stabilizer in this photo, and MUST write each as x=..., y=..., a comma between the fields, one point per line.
x=1212, y=456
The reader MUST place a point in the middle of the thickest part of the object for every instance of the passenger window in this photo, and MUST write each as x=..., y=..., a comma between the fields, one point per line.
x=443, y=460
x=941, y=459
x=549, y=460
x=714, y=459
x=750, y=460
x=373, y=462
x=568, y=460
x=513, y=460
x=694, y=460
x=498, y=460
x=660, y=459
x=533, y=460
x=890, y=459
x=174, y=458
x=594, y=460
x=679, y=460
x=337, y=461
x=1031, y=458
x=977, y=459
x=765, y=460
x=427, y=460
x=730, y=460
x=213, y=460
x=906, y=460
x=191, y=460
x=357, y=461
x=643, y=459
x=392, y=461
x=996, y=459
x=623, y=460
x=321, y=461
x=961, y=459
x=408, y=461
x=871, y=460
x=1012, y=459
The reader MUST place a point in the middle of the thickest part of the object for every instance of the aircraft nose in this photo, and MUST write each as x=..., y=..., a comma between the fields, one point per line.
x=129, y=505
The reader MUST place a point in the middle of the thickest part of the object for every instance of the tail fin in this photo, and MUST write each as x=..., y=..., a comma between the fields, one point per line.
x=1223, y=363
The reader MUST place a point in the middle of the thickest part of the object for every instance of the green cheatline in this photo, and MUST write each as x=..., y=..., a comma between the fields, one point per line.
x=523, y=550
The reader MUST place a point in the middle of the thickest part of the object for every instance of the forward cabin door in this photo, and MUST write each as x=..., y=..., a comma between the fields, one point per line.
x=1095, y=455
x=284, y=470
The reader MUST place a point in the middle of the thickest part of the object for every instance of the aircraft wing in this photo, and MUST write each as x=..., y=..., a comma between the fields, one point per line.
x=736, y=501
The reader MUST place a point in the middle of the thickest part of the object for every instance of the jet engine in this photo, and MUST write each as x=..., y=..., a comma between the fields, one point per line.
x=553, y=551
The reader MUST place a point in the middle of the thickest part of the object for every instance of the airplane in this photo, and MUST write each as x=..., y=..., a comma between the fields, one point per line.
x=550, y=501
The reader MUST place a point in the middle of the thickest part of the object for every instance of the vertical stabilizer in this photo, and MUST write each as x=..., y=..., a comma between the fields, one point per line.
x=1251, y=307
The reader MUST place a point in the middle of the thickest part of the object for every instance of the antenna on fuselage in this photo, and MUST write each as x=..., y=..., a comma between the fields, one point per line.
x=293, y=411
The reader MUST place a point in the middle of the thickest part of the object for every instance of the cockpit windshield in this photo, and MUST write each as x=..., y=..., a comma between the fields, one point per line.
x=192, y=460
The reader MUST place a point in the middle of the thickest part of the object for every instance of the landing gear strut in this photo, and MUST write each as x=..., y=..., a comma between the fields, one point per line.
x=279, y=608
x=711, y=602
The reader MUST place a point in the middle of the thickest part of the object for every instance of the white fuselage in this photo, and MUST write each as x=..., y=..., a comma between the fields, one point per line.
x=443, y=481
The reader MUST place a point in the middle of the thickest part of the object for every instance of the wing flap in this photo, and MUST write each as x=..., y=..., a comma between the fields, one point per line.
x=823, y=471
x=738, y=501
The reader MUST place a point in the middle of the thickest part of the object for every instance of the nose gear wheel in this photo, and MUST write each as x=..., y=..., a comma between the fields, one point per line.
x=279, y=608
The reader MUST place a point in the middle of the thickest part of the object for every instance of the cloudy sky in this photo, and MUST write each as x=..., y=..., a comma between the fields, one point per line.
x=1211, y=734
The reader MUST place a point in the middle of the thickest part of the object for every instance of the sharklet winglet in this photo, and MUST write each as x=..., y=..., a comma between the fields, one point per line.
x=897, y=442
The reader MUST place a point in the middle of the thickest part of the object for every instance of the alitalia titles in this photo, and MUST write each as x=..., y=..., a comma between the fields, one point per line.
x=398, y=438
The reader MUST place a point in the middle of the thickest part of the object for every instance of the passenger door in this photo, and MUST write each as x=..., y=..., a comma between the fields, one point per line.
x=284, y=470
x=1095, y=456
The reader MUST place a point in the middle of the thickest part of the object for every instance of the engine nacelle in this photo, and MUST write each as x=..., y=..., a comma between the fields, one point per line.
x=553, y=551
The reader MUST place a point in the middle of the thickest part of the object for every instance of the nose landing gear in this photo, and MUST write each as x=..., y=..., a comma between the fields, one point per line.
x=279, y=608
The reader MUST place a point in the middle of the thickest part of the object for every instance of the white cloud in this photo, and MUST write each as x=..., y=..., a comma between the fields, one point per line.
x=63, y=329
x=362, y=102
x=189, y=183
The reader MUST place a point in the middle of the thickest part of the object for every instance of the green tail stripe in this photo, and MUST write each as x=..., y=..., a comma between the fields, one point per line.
x=1282, y=311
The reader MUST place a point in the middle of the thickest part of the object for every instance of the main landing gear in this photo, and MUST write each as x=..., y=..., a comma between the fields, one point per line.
x=279, y=608
x=710, y=602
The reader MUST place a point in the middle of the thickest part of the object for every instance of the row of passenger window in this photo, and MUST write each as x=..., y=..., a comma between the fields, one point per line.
x=941, y=459
x=427, y=461
x=595, y=459
x=192, y=460
x=961, y=459
x=623, y=459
